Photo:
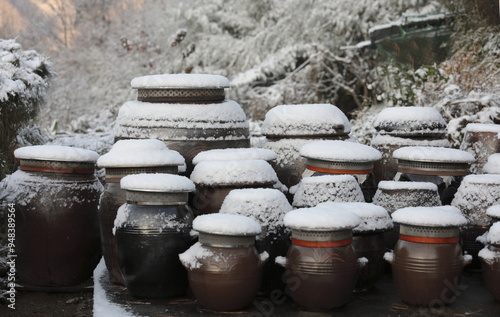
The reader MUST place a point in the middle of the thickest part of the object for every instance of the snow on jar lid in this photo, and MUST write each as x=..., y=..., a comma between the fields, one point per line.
x=218, y=173
x=340, y=151
x=493, y=236
x=430, y=216
x=56, y=153
x=135, y=153
x=179, y=81
x=482, y=127
x=410, y=120
x=433, y=154
x=384, y=139
x=493, y=164
x=157, y=183
x=226, y=224
x=321, y=219
x=305, y=120
x=373, y=217
x=493, y=211
x=480, y=179
x=235, y=154
x=395, y=185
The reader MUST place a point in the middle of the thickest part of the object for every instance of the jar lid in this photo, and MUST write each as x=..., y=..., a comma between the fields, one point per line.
x=340, y=151
x=321, y=219
x=410, y=121
x=305, y=120
x=482, y=127
x=493, y=164
x=157, y=183
x=179, y=81
x=380, y=140
x=440, y=216
x=395, y=185
x=480, y=179
x=235, y=154
x=56, y=153
x=433, y=154
x=493, y=236
x=226, y=224
x=493, y=211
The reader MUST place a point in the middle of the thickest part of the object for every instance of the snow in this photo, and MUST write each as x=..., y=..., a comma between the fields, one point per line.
x=265, y=205
x=147, y=152
x=317, y=189
x=429, y=217
x=488, y=255
x=321, y=218
x=410, y=119
x=389, y=257
x=493, y=236
x=280, y=260
x=180, y=81
x=56, y=153
x=433, y=154
x=288, y=150
x=483, y=127
x=493, y=211
x=226, y=224
x=373, y=217
x=394, y=185
x=383, y=139
x=493, y=164
x=192, y=258
x=157, y=183
x=235, y=154
x=121, y=217
x=305, y=119
x=263, y=257
x=393, y=195
x=340, y=151
x=233, y=172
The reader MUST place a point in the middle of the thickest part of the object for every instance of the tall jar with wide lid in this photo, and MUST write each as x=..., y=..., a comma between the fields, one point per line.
x=490, y=261
x=128, y=157
x=55, y=195
x=152, y=228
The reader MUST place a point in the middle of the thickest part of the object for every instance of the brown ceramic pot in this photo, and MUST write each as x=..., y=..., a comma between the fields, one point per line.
x=490, y=269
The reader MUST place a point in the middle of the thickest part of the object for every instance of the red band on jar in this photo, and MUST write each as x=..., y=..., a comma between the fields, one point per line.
x=427, y=239
x=337, y=171
x=321, y=244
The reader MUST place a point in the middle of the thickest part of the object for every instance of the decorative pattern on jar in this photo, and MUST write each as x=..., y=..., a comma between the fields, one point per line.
x=128, y=157
x=287, y=127
x=268, y=207
x=427, y=262
x=480, y=140
x=56, y=196
x=215, y=179
x=321, y=264
x=224, y=268
x=490, y=261
x=151, y=230
x=399, y=127
x=341, y=157
x=188, y=112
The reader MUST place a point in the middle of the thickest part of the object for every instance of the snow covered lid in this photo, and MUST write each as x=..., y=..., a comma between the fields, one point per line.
x=430, y=216
x=157, y=183
x=321, y=219
x=179, y=81
x=395, y=185
x=493, y=211
x=56, y=153
x=396, y=119
x=133, y=153
x=433, y=154
x=493, y=236
x=233, y=172
x=480, y=179
x=235, y=154
x=493, y=164
x=373, y=217
x=483, y=127
x=384, y=139
x=305, y=120
x=340, y=151
x=226, y=224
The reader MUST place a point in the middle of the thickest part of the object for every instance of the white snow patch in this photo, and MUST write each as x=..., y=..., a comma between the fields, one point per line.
x=340, y=151
x=394, y=185
x=493, y=211
x=493, y=164
x=56, y=153
x=409, y=119
x=488, y=255
x=429, y=216
x=483, y=127
x=263, y=257
x=157, y=183
x=321, y=218
x=192, y=257
x=226, y=224
x=235, y=154
x=180, y=81
x=280, y=260
x=380, y=140
x=433, y=154
x=493, y=236
x=233, y=172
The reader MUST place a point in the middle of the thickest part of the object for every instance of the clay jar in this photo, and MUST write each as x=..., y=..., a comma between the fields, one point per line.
x=215, y=179
x=55, y=195
x=151, y=230
x=268, y=207
x=287, y=127
x=224, y=268
x=321, y=265
x=490, y=261
x=341, y=157
x=481, y=140
x=128, y=157
x=427, y=261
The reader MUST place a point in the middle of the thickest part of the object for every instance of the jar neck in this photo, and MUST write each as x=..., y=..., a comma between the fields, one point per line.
x=336, y=167
x=58, y=167
x=226, y=241
x=321, y=239
x=157, y=198
x=115, y=174
x=433, y=235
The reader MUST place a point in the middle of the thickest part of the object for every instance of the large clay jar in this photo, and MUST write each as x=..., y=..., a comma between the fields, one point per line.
x=188, y=112
x=128, y=157
x=224, y=268
x=474, y=196
x=215, y=179
x=268, y=207
x=55, y=195
x=314, y=190
x=287, y=127
x=480, y=140
x=427, y=262
x=321, y=265
x=368, y=240
x=442, y=166
x=340, y=157
x=151, y=230
x=399, y=127
x=490, y=261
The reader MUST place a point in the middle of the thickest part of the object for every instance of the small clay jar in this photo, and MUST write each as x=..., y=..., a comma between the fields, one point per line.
x=427, y=262
x=481, y=140
x=151, y=230
x=321, y=265
x=490, y=261
x=224, y=268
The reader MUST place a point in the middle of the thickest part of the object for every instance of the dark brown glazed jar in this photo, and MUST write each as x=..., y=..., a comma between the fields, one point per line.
x=151, y=230
x=55, y=195
x=490, y=261
x=427, y=262
x=481, y=140
x=224, y=268
x=321, y=264
x=128, y=157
